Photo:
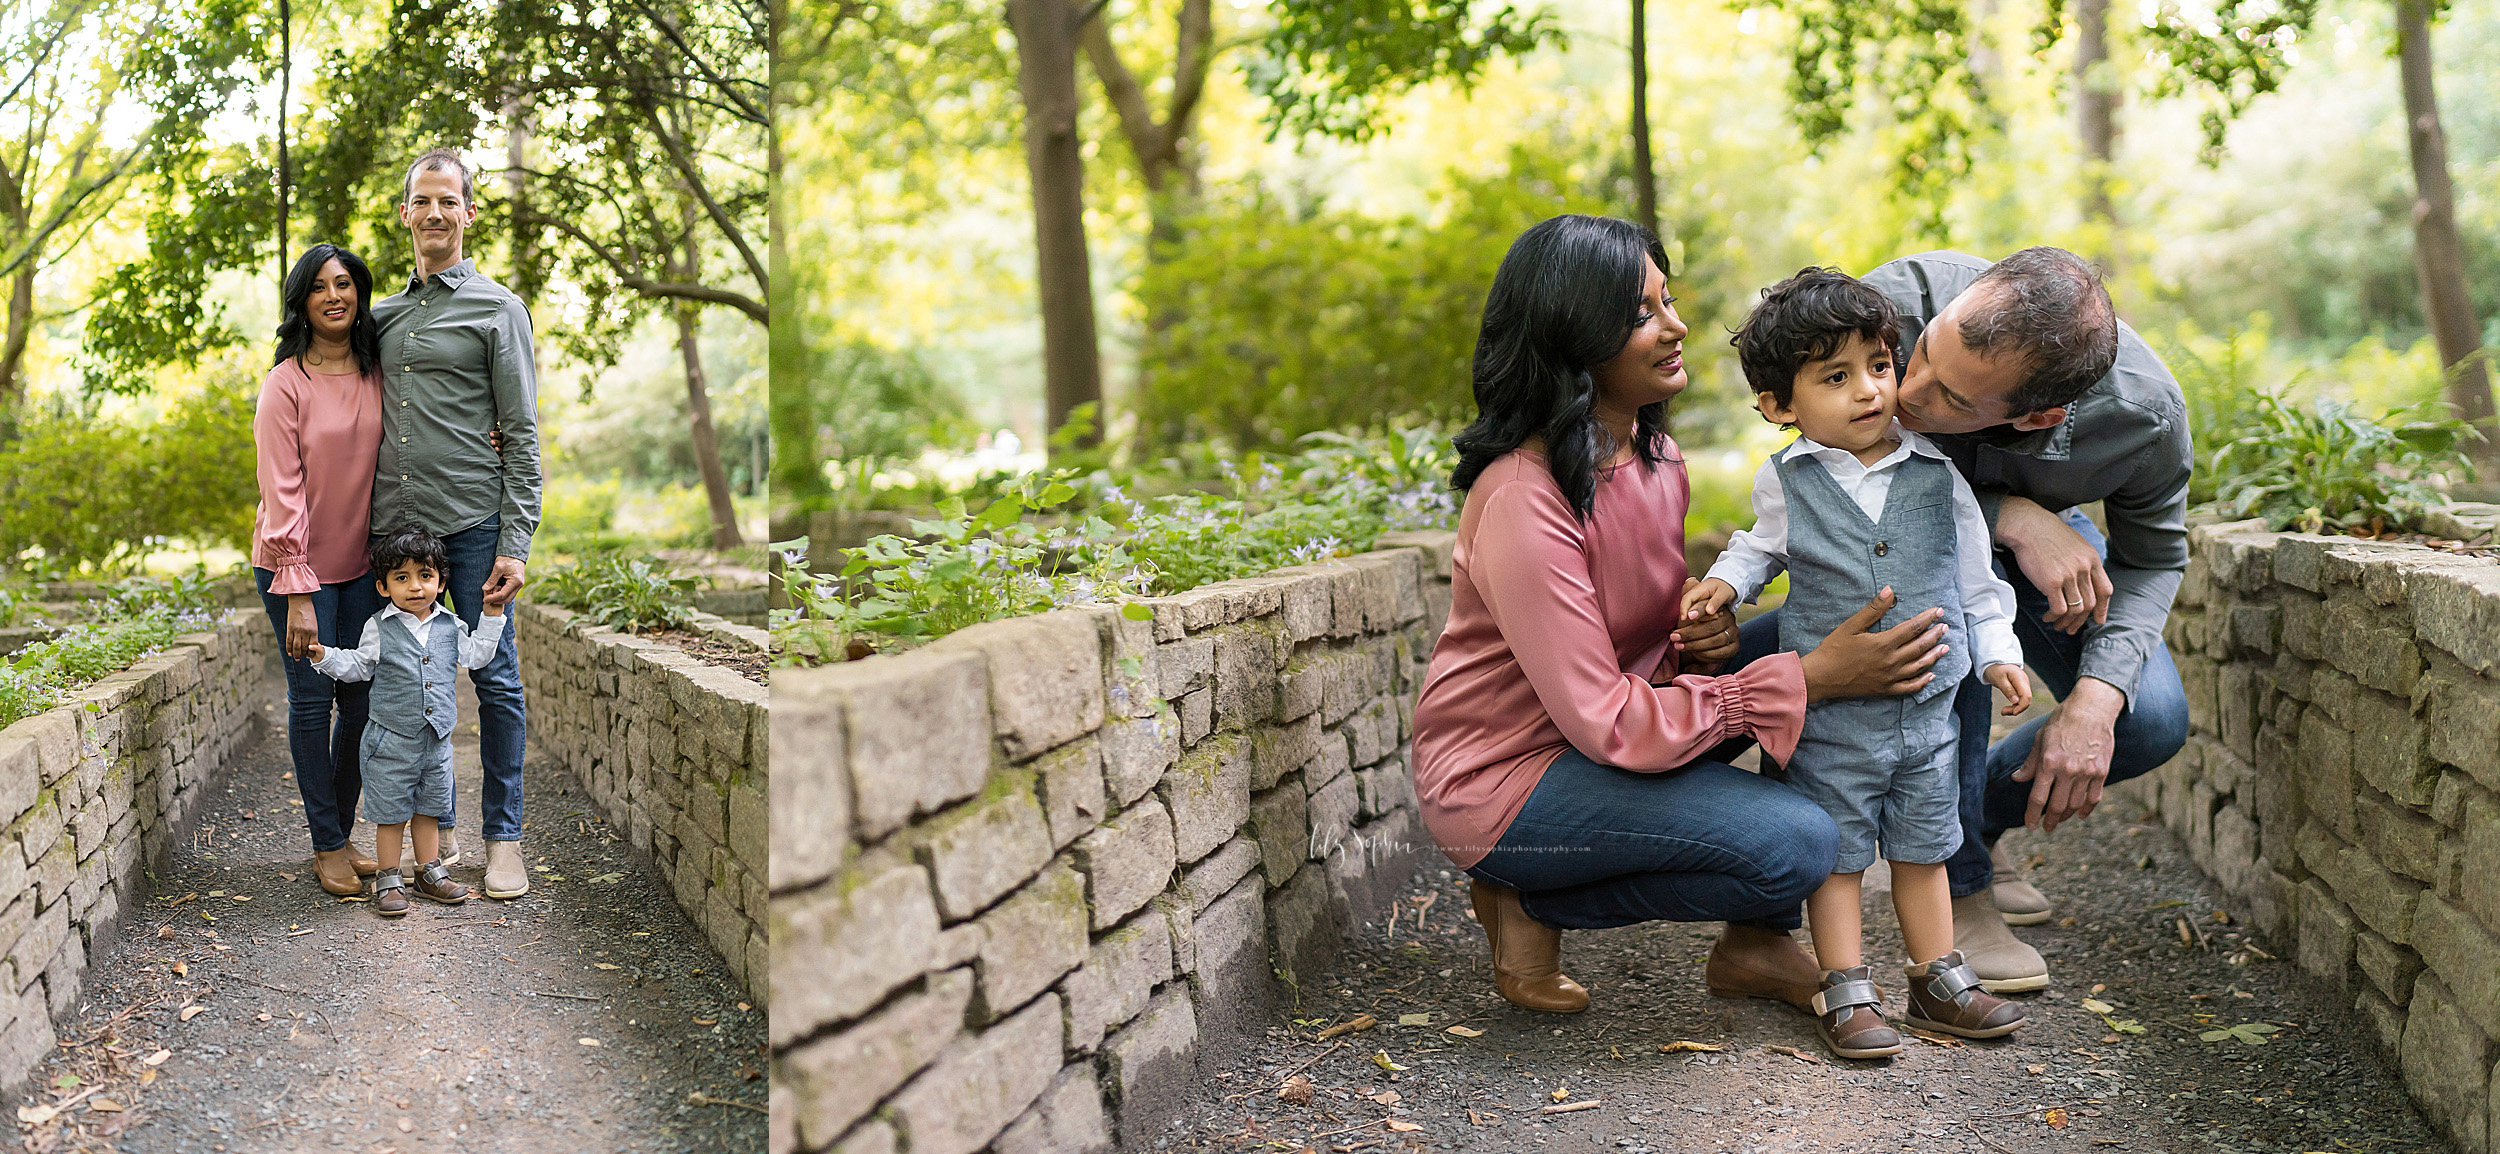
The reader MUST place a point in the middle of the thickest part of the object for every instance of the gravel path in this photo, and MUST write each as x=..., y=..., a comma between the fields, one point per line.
x=2070, y=1082
x=243, y=1009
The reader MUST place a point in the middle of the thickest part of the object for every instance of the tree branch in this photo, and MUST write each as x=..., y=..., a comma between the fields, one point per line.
x=1137, y=122
x=660, y=289
x=693, y=175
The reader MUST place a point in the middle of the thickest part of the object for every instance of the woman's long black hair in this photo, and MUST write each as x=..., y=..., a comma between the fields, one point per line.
x=364, y=335
x=1563, y=302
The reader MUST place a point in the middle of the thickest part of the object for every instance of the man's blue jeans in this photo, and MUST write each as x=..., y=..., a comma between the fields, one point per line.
x=1597, y=846
x=325, y=749
x=2148, y=733
x=502, y=720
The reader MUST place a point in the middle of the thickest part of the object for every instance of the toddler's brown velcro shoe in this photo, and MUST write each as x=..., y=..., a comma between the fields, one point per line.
x=390, y=894
x=434, y=884
x=1848, y=1012
x=1945, y=995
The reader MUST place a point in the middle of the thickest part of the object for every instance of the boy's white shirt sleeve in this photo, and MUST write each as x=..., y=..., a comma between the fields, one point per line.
x=1754, y=556
x=354, y=664
x=1987, y=599
x=478, y=647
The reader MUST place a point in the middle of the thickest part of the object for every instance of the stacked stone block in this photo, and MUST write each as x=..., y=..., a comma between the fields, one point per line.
x=2343, y=779
x=1026, y=878
x=672, y=752
x=94, y=790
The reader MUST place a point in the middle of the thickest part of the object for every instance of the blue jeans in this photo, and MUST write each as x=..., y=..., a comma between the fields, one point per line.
x=2148, y=733
x=325, y=748
x=1597, y=846
x=502, y=719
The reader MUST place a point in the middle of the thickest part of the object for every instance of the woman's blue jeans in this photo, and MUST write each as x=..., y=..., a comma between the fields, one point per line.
x=325, y=719
x=1597, y=846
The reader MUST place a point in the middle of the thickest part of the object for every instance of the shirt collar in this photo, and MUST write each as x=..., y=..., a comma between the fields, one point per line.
x=391, y=608
x=2055, y=443
x=1910, y=443
x=449, y=278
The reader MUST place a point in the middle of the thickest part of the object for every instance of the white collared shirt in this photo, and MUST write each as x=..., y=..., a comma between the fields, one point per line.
x=1756, y=555
x=476, y=649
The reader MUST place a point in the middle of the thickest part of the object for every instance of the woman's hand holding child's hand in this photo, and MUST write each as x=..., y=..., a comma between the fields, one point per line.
x=2011, y=681
x=1706, y=634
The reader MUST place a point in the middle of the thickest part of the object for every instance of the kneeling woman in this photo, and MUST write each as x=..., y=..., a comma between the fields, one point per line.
x=1563, y=736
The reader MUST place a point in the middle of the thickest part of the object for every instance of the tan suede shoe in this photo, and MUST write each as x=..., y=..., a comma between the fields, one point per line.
x=506, y=877
x=335, y=869
x=450, y=847
x=1750, y=962
x=2021, y=904
x=1527, y=954
x=364, y=862
x=2004, y=964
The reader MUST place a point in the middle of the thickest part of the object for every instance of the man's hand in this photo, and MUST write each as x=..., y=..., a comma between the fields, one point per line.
x=2058, y=562
x=2010, y=680
x=504, y=583
x=1707, y=636
x=303, y=627
x=2069, y=760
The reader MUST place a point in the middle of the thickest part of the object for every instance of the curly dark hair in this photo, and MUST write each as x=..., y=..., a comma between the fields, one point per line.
x=1807, y=318
x=401, y=544
x=1563, y=302
x=364, y=334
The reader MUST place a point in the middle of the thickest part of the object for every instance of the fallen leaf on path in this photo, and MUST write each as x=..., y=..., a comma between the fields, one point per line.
x=1479, y=1118
x=263, y=1016
x=165, y=932
x=1359, y=1022
x=1464, y=1032
x=1399, y=1126
x=2097, y=1006
x=106, y=1106
x=1932, y=1039
x=2035, y=1069
x=2097, y=987
x=1296, y=1091
x=2107, y=1039
x=157, y=1058
x=406, y=1126
x=2056, y=1118
x=1384, y=1098
x=1560, y=1093
x=1380, y=1058
x=1796, y=1053
x=588, y=1041
x=603, y=965
x=1686, y=1045
x=286, y=875
x=707, y=1021
x=36, y=1115
x=1423, y=1019
x=190, y=1012
x=147, y=1076
x=2250, y=1033
x=2122, y=1025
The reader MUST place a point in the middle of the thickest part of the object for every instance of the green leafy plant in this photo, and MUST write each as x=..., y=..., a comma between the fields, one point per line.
x=40, y=675
x=635, y=594
x=2325, y=466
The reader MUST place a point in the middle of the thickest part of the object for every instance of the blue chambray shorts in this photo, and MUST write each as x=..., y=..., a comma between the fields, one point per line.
x=1885, y=768
x=405, y=775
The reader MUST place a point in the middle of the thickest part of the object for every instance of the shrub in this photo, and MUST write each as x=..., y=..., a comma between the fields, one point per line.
x=38, y=676
x=634, y=594
x=2325, y=466
x=77, y=492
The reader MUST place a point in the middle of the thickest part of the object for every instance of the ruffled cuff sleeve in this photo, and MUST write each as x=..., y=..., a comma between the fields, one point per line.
x=293, y=577
x=1766, y=700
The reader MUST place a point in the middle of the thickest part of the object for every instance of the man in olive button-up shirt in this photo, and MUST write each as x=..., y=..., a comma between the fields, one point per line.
x=457, y=371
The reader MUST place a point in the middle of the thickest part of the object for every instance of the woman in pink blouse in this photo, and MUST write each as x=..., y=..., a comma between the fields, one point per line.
x=318, y=431
x=1564, y=738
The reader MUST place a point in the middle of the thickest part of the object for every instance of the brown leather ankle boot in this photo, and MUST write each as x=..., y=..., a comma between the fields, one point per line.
x=1527, y=954
x=335, y=869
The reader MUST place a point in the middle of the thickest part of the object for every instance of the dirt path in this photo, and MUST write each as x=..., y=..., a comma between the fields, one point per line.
x=2122, y=885
x=588, y=1015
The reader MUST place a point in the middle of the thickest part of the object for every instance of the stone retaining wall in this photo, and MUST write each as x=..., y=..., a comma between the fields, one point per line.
x=94, y=791
x=2341, y=780
x=1025, y=878
x=672, y=753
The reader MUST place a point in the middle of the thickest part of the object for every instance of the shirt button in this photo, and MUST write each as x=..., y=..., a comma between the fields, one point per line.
x=1881, y=547
x=403, y=476
x=403, y=440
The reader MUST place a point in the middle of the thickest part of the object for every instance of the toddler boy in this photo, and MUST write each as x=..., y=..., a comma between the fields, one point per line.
x=1856, y=505
x=410, y=651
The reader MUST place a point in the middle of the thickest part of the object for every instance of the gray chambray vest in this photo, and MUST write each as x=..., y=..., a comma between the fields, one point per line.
x=1838, y=561
x=413, y=685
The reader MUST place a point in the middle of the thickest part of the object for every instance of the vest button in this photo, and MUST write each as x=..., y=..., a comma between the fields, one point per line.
x=1882, y=548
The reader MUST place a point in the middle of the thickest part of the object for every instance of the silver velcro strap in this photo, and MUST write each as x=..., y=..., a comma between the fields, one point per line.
x=1842, y=995
x=1951, y=984
x=388, y=879
x=434, y=874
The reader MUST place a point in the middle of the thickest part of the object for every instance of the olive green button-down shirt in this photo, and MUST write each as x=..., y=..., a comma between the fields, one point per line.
x=457, y=364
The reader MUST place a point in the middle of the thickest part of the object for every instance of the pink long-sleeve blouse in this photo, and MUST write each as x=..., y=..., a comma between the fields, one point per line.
x=1555, y=627
x=317, y=435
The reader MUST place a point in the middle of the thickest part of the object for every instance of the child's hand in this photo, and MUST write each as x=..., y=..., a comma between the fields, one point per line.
x=314, y=652
x=1707, y=597
x=2011, y=681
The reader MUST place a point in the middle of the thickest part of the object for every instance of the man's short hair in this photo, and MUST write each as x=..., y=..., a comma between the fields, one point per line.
x=433, y=160
x=2046, y=307
x=1807, y=318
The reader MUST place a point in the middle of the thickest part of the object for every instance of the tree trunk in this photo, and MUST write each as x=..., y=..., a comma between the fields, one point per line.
x=2096, y=120
x=1046, y=76
x=2438, y=257
x=706, y=442
x=1644, y=174
x=798, y=478
x=21, y=327
x=286, y=88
